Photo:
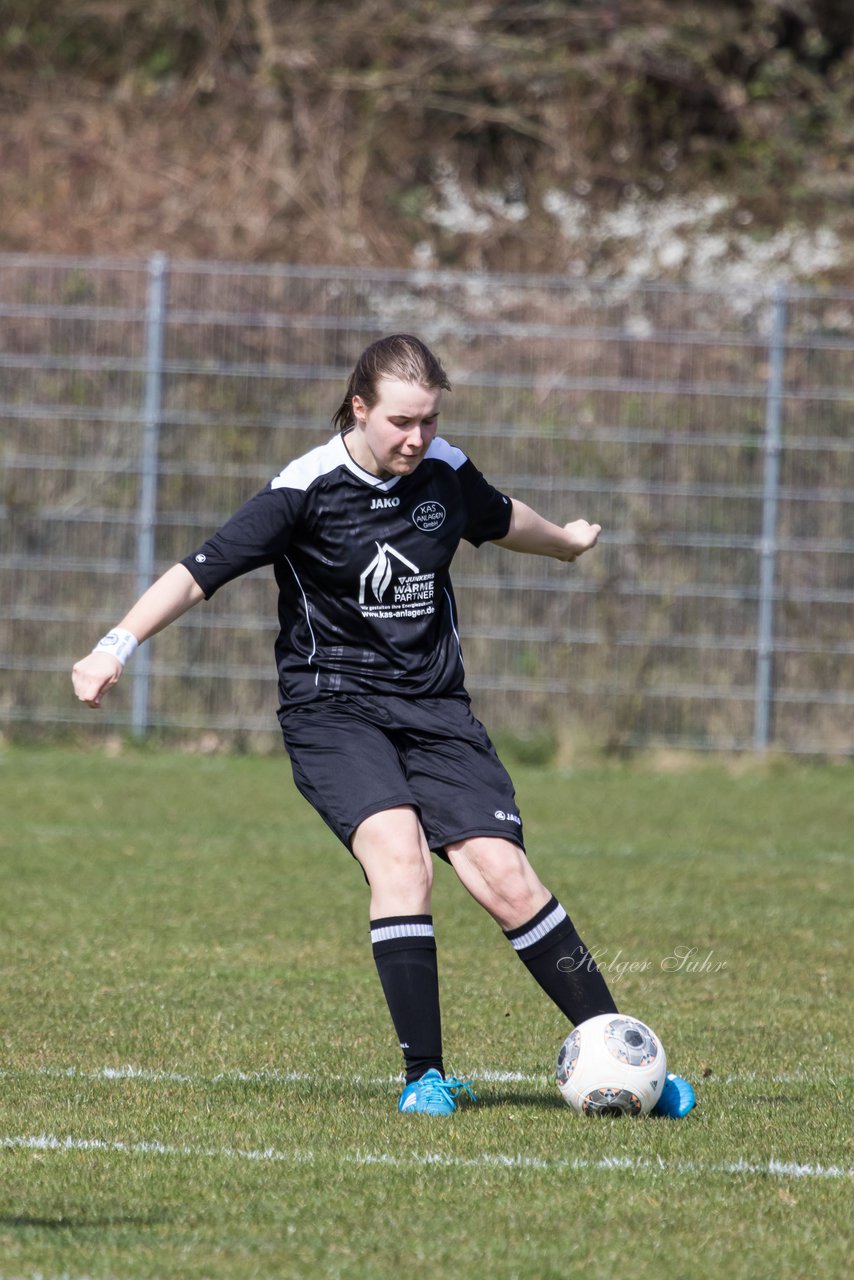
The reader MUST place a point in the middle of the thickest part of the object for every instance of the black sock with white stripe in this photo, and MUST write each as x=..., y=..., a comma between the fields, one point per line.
x=404, y=950
x=551, y=949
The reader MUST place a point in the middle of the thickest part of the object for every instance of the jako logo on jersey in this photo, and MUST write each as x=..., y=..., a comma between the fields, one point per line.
x=378, y=504
x=429, y=516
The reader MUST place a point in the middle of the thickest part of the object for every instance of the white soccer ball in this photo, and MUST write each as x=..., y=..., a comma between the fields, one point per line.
x=611, y=1065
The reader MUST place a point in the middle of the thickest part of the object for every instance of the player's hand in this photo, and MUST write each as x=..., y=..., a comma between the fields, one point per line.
x=581, y=536
x=93, y=675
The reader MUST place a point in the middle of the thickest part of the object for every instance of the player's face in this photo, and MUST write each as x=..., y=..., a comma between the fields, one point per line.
x=391, y=438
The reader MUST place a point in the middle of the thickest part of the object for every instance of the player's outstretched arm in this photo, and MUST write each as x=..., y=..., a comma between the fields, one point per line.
x=532, y=533
x=164, y=601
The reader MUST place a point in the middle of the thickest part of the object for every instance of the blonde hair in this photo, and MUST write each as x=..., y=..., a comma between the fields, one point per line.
x=400, y=357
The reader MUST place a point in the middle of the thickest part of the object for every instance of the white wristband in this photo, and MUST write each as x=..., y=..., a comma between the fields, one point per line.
x=120, y=643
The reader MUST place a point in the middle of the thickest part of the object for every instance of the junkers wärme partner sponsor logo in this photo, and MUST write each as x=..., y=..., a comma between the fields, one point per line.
x=429, y=516
x=391, y=586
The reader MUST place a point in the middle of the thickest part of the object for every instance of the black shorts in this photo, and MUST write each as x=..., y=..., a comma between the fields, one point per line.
x=354, y=756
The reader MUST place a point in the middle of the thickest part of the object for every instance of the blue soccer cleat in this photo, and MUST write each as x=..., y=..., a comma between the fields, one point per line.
x=432, y=1095
x=677, y=1098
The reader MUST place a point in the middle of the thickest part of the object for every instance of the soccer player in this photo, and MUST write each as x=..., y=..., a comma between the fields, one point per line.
x=374, y=713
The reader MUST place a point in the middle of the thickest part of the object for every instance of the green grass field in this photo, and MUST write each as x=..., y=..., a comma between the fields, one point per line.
x=198, y=1071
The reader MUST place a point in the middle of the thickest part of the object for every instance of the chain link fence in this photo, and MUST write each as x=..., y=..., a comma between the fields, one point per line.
x=708, y=432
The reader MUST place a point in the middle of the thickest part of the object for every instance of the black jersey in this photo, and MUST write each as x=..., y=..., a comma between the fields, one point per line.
x=362, y=564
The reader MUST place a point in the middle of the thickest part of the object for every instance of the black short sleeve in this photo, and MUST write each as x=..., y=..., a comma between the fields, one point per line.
x=489, y=510
x=255, y=535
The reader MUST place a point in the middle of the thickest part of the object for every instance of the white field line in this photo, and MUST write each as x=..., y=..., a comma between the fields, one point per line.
x=269, y=1155
x=273, y=1076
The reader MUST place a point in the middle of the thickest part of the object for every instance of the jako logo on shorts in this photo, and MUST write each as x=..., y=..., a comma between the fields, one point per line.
x=508, y=817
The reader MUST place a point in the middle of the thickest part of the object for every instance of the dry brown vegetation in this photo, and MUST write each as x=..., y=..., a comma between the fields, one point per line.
x=318, y=131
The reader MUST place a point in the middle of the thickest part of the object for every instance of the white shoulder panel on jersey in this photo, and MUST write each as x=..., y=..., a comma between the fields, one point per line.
x=444, y=452
x=318, y=462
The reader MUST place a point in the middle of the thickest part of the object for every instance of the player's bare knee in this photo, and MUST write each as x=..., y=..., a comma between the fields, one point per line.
x=499, y=875
x=402, y=869
x=515, y=886
x=520, y=899
x=410, y=868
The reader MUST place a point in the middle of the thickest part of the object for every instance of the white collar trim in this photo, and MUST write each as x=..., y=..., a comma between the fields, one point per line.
x=376, y=482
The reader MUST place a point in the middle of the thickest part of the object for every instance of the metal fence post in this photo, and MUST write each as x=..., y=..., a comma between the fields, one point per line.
x=768, y=541
x=155, y=317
